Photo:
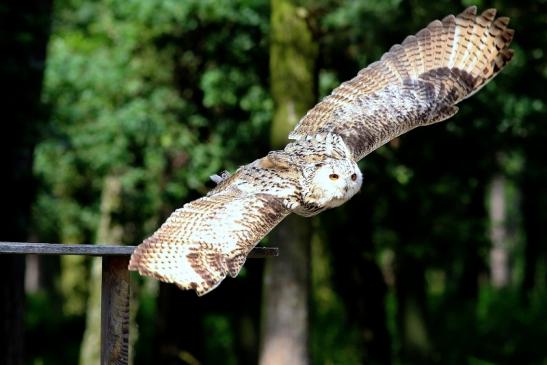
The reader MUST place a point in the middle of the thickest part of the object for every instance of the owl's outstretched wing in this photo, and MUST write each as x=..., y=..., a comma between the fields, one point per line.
x=208, y=238
x=416, y=83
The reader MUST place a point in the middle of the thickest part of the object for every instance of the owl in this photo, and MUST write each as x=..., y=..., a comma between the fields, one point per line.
x=416, y=83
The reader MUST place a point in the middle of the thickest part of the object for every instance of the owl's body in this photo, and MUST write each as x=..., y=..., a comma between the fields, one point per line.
x=308, y=176
x=417, y=83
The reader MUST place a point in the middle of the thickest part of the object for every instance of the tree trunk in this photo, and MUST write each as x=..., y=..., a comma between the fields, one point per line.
x=293, y=54
x=285, y=306
x=500, y=270
x=109, y=232
x=533, y=211
x=410, y=285
x=357, y=276
x=412, y=321
x=25, y=32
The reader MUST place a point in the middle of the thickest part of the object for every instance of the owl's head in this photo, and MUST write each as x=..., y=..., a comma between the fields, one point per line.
x=332, y=183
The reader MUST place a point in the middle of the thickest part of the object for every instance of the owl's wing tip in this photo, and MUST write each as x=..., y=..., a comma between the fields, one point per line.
x=189, y=266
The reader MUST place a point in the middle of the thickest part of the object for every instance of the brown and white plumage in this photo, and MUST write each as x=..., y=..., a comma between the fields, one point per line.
x=415, y=84
x=208, y=239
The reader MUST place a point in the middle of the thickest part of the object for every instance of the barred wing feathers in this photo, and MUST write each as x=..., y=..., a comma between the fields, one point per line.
x=208, y=238
x=416, y=83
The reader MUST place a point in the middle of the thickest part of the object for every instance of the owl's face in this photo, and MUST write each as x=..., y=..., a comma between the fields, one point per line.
x=333, y=183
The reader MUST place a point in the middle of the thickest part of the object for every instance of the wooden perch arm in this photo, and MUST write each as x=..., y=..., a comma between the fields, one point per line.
x=95, y=250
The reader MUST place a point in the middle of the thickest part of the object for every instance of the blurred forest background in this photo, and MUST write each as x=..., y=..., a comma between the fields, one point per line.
x=120, y=110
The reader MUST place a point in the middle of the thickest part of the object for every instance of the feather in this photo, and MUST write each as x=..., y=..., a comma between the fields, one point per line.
x=208, y=238
x=415, y=84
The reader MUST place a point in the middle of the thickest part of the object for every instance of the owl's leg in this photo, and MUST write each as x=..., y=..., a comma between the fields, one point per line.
x=291, y=203
x=217, y=179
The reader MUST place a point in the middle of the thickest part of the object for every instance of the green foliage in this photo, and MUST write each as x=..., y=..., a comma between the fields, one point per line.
x=221, y=345
x=50, y=332
x=134, y=91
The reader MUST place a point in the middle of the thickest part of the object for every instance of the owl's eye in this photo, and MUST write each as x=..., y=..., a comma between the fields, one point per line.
x=333, y=176
x=354, y=177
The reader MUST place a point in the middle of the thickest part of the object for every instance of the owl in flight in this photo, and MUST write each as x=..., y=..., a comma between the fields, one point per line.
x=416, y=83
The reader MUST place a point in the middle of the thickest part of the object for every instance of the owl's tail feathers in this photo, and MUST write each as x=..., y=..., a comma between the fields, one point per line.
x=196, y=266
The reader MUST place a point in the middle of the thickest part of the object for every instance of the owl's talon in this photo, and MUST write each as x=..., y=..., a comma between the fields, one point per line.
x=290, y=204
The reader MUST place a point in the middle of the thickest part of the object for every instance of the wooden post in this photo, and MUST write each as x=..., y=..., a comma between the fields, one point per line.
x=115, y=311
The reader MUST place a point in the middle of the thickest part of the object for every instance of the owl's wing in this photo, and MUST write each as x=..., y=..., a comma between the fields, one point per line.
x=208, y=238
x=416, y=83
